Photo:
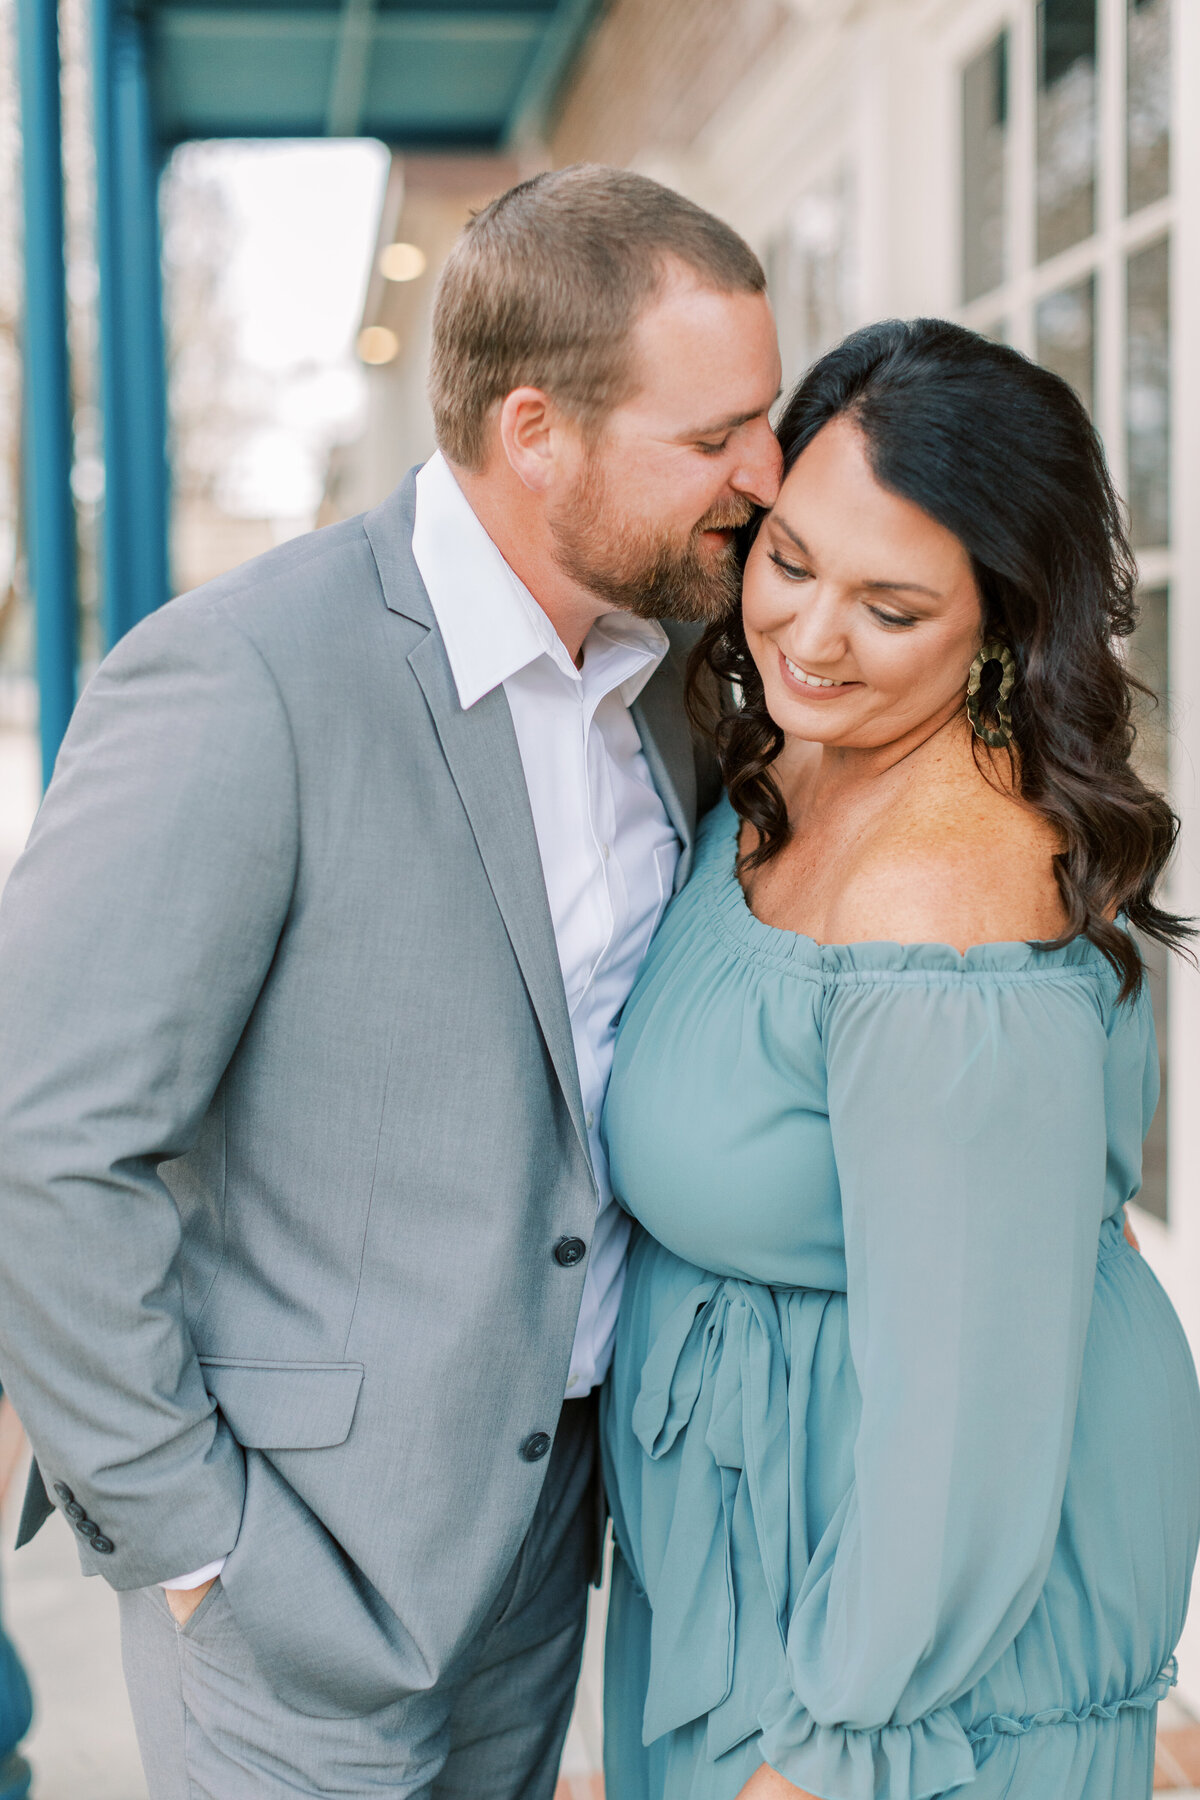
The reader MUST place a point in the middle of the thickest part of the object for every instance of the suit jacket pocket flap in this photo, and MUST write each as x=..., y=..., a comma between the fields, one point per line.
x=284, y=1405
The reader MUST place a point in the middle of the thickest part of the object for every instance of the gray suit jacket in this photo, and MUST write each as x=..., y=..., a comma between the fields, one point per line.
x=289, y=1116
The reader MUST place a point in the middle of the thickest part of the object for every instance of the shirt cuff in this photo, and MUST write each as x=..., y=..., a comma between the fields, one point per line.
x=209, y=1572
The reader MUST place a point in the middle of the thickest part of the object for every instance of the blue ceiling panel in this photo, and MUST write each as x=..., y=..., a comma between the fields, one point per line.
x=467, y=82
x=417, y=73
x=254, y=79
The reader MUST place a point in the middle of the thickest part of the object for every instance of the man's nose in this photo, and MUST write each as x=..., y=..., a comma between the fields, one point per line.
x=760, y=466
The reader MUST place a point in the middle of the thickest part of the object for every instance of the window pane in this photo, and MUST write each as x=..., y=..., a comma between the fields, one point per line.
x=1148, y=661
x=1148, y=395
x=810, y=273
x=1148, y=101
x=1066, y=336
x=985, y=123
x=1066, y=124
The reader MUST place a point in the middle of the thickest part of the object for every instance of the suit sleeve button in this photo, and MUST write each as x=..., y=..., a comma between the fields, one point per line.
x=86, y=1529
x=74, y=1511
x=570, y=1250
x=535, y=1447
x=102, y=1546
x=64, y=1493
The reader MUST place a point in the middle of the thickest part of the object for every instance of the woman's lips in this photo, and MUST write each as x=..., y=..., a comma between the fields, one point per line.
x=796, y=684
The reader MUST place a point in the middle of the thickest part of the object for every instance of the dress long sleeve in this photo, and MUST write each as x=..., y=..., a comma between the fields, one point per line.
x=968, y=1125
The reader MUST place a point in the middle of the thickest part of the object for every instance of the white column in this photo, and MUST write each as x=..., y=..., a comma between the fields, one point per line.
x=1174, y=1252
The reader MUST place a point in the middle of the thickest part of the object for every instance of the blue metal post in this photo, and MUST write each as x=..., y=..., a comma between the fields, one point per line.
x=50, y=512
x=132, y=372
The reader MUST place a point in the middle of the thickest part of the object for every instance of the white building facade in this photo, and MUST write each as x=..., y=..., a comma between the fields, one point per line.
x=1030, y=167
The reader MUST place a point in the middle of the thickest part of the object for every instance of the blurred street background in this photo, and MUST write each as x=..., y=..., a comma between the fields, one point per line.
x=221, y=225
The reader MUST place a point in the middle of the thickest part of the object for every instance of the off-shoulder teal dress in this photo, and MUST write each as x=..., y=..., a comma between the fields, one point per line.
x=902, y=1439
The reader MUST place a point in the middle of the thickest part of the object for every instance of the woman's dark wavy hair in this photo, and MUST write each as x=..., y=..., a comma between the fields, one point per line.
x=1002, y=453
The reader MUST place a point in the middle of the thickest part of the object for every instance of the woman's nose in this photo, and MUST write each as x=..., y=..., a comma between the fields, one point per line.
x=816, y=638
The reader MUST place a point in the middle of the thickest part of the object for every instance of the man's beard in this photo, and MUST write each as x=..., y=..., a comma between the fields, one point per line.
x=639, y=571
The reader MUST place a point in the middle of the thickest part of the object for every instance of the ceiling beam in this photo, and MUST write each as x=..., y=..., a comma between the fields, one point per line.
x=193, y=24
x=351, y=65
x=562, y=38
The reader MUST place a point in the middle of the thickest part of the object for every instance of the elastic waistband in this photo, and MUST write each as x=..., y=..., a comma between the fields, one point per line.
x=1143, y=1699
x=1113, y=1241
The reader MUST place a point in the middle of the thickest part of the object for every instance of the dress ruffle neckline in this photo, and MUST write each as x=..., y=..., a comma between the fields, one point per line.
x=803, y=955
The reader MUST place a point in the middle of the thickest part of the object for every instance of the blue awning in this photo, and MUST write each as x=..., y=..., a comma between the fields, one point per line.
x=421, y=75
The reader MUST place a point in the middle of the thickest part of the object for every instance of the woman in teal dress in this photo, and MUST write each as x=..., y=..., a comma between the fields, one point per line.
x=902, y=1438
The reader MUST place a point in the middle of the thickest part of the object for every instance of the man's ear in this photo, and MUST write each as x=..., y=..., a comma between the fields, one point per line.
x=531, y=429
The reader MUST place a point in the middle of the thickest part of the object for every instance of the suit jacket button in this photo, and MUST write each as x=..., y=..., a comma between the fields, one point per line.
x=74, y=1511
x=102, y=1546
x=535, y=1447
x=64, y=1493
x=569, y=1251
x=86, y=1529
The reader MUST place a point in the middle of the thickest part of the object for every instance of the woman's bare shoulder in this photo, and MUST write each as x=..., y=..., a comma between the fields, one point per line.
x=961, y=866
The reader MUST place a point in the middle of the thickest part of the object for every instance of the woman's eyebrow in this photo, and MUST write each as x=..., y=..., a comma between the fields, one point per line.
x=905, y=587
x=775, y=519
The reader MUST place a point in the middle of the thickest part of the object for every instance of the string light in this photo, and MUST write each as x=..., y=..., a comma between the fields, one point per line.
x=376, y=344
x=402, y=262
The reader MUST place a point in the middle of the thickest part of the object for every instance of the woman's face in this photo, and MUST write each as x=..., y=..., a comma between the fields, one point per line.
x=861, y=612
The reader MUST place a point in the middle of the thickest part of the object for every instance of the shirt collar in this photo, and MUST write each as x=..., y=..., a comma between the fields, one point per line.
x=491, y=624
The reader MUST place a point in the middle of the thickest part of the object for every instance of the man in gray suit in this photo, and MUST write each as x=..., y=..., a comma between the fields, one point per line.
x=311, y=971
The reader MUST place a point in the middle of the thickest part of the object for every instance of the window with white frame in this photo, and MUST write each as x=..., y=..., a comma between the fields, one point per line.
x=1066, y=226
x=810, y=271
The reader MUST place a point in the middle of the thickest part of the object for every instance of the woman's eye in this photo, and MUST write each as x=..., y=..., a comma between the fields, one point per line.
x=901, y=620
x=793, y=571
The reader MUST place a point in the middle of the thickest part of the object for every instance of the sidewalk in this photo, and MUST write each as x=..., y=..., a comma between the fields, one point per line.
x=82, y=1744
x=1177, y=1760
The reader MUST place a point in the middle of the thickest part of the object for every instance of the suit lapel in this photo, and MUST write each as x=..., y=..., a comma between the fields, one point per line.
x=480, y=747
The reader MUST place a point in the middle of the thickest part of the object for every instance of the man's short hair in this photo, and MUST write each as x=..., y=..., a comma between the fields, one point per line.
x=544, y=286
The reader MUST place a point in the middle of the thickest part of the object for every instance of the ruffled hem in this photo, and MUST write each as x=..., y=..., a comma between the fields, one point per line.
x=920, y=1761
x=932, y=1756
x=839, y=962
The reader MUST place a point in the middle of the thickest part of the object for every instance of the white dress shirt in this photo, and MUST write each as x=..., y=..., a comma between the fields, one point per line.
x=607, y=847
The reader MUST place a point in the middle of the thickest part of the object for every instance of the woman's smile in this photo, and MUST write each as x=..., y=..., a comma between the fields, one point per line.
x=812, y=686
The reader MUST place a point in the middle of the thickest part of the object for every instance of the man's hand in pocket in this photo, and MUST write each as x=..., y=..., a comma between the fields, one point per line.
x=184, y=1601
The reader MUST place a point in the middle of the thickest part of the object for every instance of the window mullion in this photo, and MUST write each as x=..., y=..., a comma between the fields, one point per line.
x=1110, y=298
x=1111, y=120
x=1022, y=175
x=1185, y=473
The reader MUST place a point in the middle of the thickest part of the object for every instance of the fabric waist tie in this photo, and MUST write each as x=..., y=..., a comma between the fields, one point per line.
x=724, y=1339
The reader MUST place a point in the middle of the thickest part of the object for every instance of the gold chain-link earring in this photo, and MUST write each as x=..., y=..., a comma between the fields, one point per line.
x=998, y=735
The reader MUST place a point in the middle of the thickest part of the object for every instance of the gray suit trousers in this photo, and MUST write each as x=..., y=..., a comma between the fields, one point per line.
x=210, y=1728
